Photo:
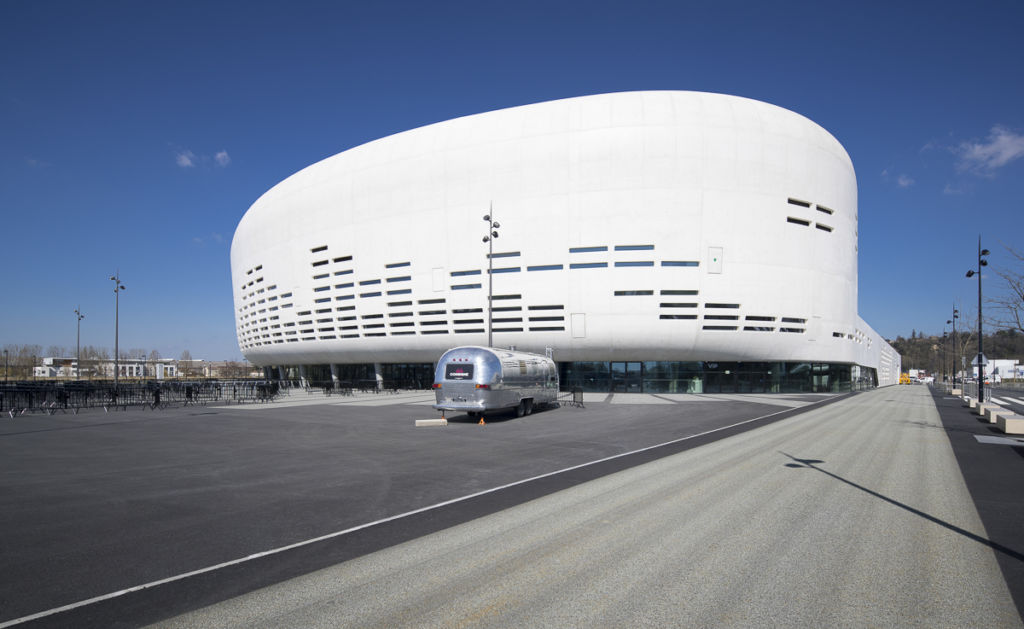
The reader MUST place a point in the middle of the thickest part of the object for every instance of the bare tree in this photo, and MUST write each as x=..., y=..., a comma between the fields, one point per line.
x=1010, y=305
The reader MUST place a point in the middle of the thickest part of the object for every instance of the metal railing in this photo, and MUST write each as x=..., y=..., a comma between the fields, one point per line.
x=18, y=398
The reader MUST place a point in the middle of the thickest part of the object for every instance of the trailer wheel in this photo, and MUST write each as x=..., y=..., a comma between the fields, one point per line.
x=521, y=409
x=529, y=406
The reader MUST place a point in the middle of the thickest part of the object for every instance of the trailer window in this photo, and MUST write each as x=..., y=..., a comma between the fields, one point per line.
x=458, y=371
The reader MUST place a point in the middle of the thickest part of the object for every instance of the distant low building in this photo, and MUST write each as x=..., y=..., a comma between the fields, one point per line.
x=142, y=368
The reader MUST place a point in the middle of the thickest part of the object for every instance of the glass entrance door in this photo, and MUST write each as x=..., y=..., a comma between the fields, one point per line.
x=627, y=377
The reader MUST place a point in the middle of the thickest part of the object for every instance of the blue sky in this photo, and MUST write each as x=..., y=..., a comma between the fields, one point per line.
x=134, y=135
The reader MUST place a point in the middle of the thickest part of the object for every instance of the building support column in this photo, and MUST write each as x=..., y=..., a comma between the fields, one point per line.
x=302, y=377
x=377, y=372
x=280, y=373
x=334, y=376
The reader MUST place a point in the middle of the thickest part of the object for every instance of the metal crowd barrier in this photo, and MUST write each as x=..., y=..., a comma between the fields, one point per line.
x=64, y=397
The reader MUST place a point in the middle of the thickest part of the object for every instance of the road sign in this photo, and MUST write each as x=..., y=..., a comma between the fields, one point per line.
x=984, y=361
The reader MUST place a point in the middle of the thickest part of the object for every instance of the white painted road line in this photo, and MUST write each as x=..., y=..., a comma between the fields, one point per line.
x=336, y=534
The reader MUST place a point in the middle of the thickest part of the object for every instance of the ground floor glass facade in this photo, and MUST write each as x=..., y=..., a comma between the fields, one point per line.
x=626, y=376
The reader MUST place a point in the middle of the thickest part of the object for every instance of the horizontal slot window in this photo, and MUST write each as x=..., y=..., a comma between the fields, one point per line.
x=320, y=263
x=588, y=265
x=545, y=267
x=507, y=308
x=822, y=208
x=471, y=331
x=395, y=265
x=344, y=272
x=368, y=334
x=634, y=247
x=394, y=304
x=373, y=316
x=792, y=330
x=679, y=304
x=439, y=300
x=680, y=263
x=509, y=329
x=329, y=337
x=497, y=297
x=434, y=332
x=373, y=294
x=368, y=282
x=401, y=324
x=757, y=328
x=342, y=259
x=678, y=316
x=433, y=323
x=719, y=327
x=347, y=318
x=320, y=289
x=824, y=228
x=587, y=249
x=793, y=320
x=466, y=310
x=633, y=293
x=427, y=313
x=322, y=300
x=716, y=305
x=400, y=291
x=403, y=333
x=759, y=318
x=463, y=273
x=506, y=254
x=400, y=278
x=464, y=286
x=547, y=308
x=466, y=321
x=799, y=202
x=678, y=292
x=507, y=269
x=400, y=314
x=371, y=326
x=349, y=336
x=838, y=335
x=797, y=221
x=508, y=320
x=641, y=263
x=547, y=318
x=318, y=249
x=317, y=277
x=342, y=297
x=721, y=317
x=345, y=285
x=548, y=328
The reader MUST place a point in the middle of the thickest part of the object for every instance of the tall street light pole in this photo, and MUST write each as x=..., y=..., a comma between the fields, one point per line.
x=981, y=356
x=118, y=287
x=492, y=233
x=78, y=343
x=5, y=366
x=956, y=343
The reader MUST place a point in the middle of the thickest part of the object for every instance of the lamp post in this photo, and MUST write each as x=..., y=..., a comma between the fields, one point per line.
x=956, y=343
x=981, y=367
x=118, y=287
x=5, y=366
x=945, y=379
x=78, y=343
x=492, y=233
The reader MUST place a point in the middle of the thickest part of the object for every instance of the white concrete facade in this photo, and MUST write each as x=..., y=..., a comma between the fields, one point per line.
x=673, y=226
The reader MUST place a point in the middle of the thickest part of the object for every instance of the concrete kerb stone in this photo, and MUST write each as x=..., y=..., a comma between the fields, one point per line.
x=985, y=411
x=432, y=422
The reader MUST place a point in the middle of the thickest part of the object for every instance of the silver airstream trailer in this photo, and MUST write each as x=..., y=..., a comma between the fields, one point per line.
x=476, y=380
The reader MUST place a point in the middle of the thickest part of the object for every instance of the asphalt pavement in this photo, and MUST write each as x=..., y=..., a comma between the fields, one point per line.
x=853, y=514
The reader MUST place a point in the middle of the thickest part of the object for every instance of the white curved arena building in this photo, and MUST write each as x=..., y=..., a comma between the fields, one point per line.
x=654, y=241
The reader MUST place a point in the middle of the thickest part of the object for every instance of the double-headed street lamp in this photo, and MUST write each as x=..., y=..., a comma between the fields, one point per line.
x=118, y=287
x=981, y=356
x=78, y=342
x=492, y=233
x=956, y=344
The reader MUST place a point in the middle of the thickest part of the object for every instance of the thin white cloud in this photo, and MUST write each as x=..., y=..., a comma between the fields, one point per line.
x=186, y=159
x=904, y=181
x=222, y=158
x=984, y=158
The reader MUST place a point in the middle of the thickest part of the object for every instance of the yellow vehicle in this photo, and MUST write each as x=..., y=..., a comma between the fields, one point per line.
x=905, y=379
